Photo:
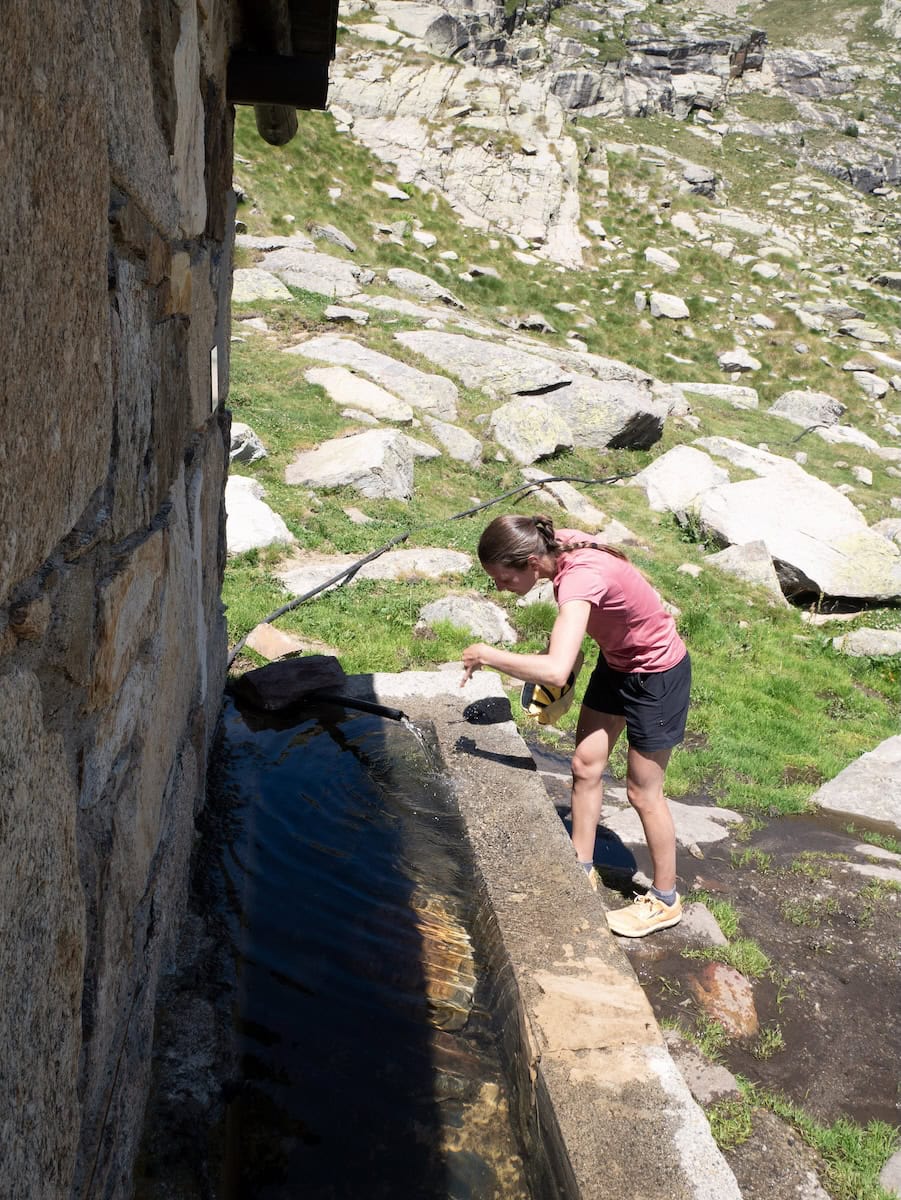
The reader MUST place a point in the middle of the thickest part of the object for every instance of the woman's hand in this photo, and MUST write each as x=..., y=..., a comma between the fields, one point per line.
x=473, y=659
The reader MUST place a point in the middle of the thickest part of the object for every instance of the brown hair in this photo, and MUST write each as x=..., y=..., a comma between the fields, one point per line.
x=510, y=540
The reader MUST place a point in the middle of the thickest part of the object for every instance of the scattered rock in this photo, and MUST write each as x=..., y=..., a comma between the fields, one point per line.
x=869, y=643
x=459, y=444
x=422, y=286
x=868, y=787
x=726, y=996
x=671, y=307
x=329, y=233
x=675, y=480
x=377, y=464
x=432, y=393
x=808, y=408
x=660, y=258
x=343, y=387
x=323, y=274
x=252, y=283
x=250, y=523
x=246, y=447
x=485, y=620
x=738, y=359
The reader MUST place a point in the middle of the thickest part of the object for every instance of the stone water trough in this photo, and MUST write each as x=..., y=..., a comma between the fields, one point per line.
x=595, y=1099
x=591, y=1079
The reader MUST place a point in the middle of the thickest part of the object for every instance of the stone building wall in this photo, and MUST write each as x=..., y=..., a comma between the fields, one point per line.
x=115, y=259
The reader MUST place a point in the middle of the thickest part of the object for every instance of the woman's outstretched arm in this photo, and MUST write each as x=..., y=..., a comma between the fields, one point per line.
x=552, y=667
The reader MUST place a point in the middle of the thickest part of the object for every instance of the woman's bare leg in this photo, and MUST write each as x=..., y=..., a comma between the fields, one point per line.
x=596, y=735
x=644, y=788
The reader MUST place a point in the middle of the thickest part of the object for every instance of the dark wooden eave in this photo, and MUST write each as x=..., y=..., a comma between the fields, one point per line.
x=280, y=61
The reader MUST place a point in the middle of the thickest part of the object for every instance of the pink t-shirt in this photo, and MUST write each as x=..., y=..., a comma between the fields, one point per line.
x=627, y=618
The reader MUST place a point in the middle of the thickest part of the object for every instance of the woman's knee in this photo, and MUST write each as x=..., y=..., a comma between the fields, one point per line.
x=587, y=768
x=642, y=797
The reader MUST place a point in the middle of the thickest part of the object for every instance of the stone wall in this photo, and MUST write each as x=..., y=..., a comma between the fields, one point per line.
x=115, y=227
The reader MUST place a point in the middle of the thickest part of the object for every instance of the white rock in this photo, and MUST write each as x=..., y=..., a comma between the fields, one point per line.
x=389, y=190
x=675, y=480
x=529, y=430
x=431, y=393
x=497, y=370
x=868, y=787
x=659, y=258
x=738, y=397
x=818, y=540
x=485, y=620
x=458, y=443
x=252, y=283
x=671, y=307
x=808, y=408
x=343, y=387
x=422, y=286
x=246, y=447
x=311, y=271
x=750, y=562
x=250, y=523
x=869, y=643
x=377, y=464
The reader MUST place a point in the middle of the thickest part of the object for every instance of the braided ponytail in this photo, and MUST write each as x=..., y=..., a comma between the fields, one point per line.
x=510, y=541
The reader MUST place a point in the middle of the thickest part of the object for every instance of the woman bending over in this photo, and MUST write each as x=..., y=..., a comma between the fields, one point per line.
x=641, y=684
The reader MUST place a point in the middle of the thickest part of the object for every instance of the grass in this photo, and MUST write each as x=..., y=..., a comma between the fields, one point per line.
x=852, y=1155
x=723, y=911
x=809, y=910
x=744, y=954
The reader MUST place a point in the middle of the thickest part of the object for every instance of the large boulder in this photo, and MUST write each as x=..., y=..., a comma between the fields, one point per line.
x=620, y=415
x=377, y=464
x=498, y=370
x=313, y=272
x=674, y=480
x=422, y=286
x=818, y=540
x=807, y=408
x=867, y=788
x=528, y=429
x=751, y=563
x=431, y=393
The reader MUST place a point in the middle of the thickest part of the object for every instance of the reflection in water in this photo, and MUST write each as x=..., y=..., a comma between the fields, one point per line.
x=369, y=1067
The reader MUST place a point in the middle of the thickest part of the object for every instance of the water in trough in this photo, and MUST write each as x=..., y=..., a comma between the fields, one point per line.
x=356, y=969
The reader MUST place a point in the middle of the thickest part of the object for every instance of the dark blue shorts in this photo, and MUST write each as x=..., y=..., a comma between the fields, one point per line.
x=655, y=704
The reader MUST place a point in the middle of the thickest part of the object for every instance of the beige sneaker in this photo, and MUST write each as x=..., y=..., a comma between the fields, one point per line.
x=644, y=915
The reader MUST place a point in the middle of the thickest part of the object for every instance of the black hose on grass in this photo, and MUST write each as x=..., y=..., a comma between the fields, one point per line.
x=348, y=573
